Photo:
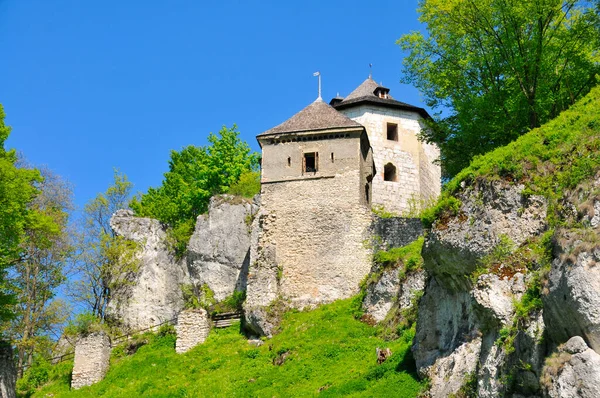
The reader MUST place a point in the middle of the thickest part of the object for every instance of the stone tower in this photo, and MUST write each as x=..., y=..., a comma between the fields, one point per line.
x=406, y=175
x=315, y=213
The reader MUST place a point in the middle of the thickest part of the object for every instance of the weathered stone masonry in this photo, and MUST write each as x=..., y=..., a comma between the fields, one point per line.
x=92, y=358
x=8, y=372
x=192, y=328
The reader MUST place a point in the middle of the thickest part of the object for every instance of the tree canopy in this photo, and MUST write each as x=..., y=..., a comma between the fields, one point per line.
x=499, y=68
x=17, y=191
x=195, y=175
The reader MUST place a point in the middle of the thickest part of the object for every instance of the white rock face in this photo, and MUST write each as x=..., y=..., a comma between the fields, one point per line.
x=154, y=294
x=489, y=211
x=382, y=296
x=263, y=279
x=572, y=304
x=574, y=372
x=219, y=250
x=92, y=357
x=459, y=322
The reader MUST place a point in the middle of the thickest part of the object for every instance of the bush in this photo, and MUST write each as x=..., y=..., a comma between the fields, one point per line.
x=247, y=186
x=84, y=324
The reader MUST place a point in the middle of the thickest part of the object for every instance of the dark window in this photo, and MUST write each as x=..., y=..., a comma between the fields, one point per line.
x=331, y=157
x=389, y=172
x=311, y=162
x=392, y=131
x=367, y=192
x=289, y=161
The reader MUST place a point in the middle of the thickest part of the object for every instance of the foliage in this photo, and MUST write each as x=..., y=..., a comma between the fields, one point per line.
x=190, y=296
x=39, y=271
x=195, y=175
x=381, y=212
x=326, y=338
x=446, y=206
x=34, y=377
x=105, y=262
x=17, y=191
x=247, y=186
x=408, y=256
x=84, y=324
x=549, y=160
x=499, y=68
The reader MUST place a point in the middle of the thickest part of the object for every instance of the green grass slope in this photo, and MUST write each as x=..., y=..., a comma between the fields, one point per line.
x=330, y=354
x=549, y=160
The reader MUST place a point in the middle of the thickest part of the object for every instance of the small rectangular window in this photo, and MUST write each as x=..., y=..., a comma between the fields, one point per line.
x=311, y=162
x=289, y=161
x=392, y=131
x=332, y=159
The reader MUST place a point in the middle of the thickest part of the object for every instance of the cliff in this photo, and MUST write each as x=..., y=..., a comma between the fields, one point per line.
x=510, y=307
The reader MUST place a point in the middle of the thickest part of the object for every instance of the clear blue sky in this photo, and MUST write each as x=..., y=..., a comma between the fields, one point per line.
x=92, y=85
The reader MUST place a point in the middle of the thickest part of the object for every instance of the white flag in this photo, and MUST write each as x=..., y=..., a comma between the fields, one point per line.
x=317, y=74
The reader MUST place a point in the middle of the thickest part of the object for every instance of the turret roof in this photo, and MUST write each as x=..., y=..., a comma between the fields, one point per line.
x=365, y=93
x=316, y=116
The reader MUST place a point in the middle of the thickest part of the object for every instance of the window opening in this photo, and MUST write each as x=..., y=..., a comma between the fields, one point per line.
x=289, y=161
x=389, y=172
x=392, y=131
x=311, y=162
x=332, y=160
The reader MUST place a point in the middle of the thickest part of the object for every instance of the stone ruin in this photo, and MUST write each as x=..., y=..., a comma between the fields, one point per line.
x=192, y=328
x=8, y=372
x=92, y=358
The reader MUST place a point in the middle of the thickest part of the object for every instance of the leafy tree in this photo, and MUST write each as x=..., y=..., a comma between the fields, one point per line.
x=500, y=68
x=17, y=191
x=195, y=175
x=37, y=274
x=104, y=261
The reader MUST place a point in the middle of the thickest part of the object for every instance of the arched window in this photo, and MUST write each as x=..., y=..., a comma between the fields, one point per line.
x=389, y=172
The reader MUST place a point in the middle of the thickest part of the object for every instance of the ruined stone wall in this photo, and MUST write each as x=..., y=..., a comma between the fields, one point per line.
x=192, y=328
x=418, y=179
x=92, y=357
x=315, y=230
x=8, y=372
x=397, y=231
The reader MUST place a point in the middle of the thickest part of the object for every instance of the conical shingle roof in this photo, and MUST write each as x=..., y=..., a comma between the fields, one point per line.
x=366, y=89
x=316, y=116
x=365, y=93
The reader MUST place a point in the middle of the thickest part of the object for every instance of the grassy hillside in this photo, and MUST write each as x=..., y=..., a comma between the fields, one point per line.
x=549, y=160
x=330, y=354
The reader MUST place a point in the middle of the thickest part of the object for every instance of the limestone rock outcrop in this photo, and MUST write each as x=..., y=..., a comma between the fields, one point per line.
x=153, y=294
x=489, y=211
x=460, y=319
x=573, y=372
x=572, y=302
x=219, y=250
x=390, y=290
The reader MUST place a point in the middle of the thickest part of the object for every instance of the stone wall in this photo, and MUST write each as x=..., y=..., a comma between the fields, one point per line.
x=219, y=250
x=92, y=357
x=154, y=292
x=397, y=231
x=309, y=238
x=8, y=372
x=192, y=328
x=315, y=231
x=418, y=178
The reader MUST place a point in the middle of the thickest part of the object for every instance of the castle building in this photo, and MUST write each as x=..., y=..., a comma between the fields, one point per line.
x=406, y=174
x=322, y=170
